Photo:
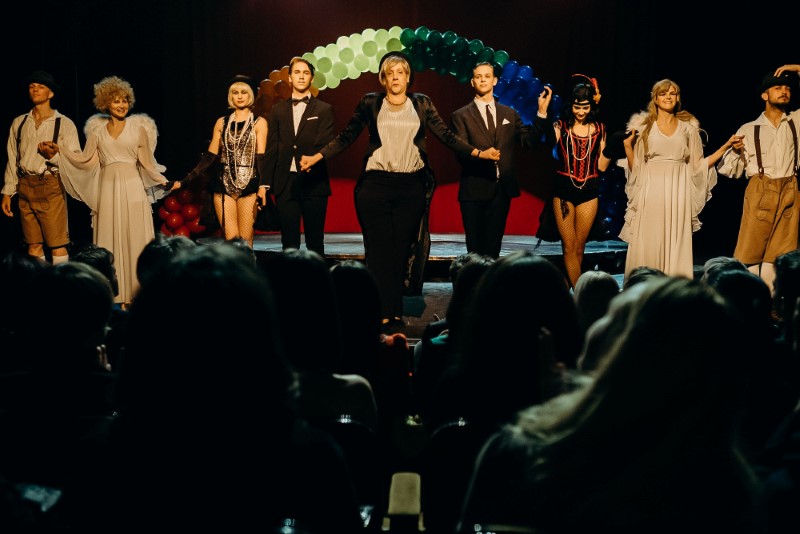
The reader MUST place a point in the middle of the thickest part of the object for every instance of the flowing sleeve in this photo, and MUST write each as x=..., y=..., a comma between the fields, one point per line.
x=150, y=170
x=704, y=178
x=80, y=169
x=634, y=177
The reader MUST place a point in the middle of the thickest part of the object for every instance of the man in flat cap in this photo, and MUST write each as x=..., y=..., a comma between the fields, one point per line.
x=32, y=171
x=767, y=154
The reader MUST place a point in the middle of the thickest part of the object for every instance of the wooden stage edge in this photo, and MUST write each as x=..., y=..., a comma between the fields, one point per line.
x=608, y=255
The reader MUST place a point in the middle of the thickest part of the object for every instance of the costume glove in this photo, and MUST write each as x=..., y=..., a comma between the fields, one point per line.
x=614, y=149
x=207, y=159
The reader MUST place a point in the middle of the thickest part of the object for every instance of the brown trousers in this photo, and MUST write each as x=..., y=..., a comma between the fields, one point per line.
x=770, y=219
x=43, y=210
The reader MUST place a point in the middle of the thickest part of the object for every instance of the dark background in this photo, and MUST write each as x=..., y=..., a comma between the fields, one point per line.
x=179, y=54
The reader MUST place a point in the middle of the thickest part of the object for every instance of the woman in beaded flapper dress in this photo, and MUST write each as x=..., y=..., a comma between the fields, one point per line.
x=238, y=143
x=579, y=142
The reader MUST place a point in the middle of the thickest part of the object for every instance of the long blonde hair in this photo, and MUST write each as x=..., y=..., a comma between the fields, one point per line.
x=652, y=109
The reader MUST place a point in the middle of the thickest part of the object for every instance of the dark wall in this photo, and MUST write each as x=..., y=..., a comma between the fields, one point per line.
x=178, y=54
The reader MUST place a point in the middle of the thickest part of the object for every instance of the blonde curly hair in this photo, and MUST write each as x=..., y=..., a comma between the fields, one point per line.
x=109, y=88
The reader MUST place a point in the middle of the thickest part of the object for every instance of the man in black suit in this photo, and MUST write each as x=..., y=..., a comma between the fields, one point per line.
x=487, y=187
x=297, y=127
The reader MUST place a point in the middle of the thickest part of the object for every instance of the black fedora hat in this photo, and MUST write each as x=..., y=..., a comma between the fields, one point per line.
x=44, y=78
x=770, y=80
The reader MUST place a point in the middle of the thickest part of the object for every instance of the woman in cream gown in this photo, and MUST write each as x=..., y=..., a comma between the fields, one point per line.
x=668, y=183
x=118, y=177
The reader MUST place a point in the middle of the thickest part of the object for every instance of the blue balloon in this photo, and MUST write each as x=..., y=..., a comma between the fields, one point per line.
x=517, y=87
x=525, y=72
x=510, y=70
x=535, y=87
x=501, y=87
x=556, y=105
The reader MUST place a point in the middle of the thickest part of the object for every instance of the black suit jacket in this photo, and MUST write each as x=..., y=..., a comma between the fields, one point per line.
x=478, y=177
x=283, y=145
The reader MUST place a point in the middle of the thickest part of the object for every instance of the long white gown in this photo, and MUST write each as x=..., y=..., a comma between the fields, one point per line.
x=665, y=196
x=117, y=179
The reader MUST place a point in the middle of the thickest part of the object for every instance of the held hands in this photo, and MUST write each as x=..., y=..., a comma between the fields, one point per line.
x=629, y=141
x=306, y=162
x=736, y=142
x=48, y=149
x=490, y=153
x=262, y=196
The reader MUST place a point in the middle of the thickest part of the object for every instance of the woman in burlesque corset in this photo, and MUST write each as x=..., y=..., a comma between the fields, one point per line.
x=580, y=139
x=238, y=143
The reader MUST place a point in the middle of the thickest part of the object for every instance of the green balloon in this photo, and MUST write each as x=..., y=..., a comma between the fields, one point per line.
x=339, y=70
x=356, y=41
x=476, y=45
x=368, y=34
x=343, y=42
x=408, y=37
x=353, y=72
x=346, y=55
x=422, y=33
x=332, y=51
x=460, y=45
x=311, y=58
x=395, y=32
x=394, y=45
x=370, y=48
x=361, y=62
x=333, y=82
x=381, y=36
x=501, y=57
x=319, y=80
x=324, y=64
x=435, y=39
x=449, y=37
x=486, y=54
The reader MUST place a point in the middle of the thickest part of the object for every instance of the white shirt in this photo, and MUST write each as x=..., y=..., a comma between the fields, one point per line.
x=777, y=149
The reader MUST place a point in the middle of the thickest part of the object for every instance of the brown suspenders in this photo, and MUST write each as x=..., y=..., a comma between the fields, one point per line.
x=757, y=141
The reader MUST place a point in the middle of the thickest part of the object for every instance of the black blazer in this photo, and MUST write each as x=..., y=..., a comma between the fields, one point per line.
x=478, y=177
x=366, y=116
x=283, y=145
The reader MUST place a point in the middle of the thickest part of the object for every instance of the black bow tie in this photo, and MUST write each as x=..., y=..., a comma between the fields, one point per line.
x=296, y=101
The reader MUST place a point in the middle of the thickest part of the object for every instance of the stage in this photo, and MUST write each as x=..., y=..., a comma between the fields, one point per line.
x=604, y=255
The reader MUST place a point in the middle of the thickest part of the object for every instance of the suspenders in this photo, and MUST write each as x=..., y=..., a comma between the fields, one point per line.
x=56, y=128
x=757, y=141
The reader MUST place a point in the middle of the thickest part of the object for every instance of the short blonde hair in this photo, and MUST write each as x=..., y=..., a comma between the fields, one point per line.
x=251, y=98
x=110, y=88
x=390, y=61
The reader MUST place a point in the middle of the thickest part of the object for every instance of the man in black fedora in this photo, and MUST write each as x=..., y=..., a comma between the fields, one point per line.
x=32, y=171
x=767, y=154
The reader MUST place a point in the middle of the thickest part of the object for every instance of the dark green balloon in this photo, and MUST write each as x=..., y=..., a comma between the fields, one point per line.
x=422, y=33
x=460, y=45
x=486, y=54
x=435, y=39
x=408, y=37
x=449, y=37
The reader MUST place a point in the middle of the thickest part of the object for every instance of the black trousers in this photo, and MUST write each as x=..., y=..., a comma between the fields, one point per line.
x=293, y=206
x=485, y=223
x=389, y=206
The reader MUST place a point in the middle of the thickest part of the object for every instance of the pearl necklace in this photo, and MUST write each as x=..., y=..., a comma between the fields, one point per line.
x=574, y=155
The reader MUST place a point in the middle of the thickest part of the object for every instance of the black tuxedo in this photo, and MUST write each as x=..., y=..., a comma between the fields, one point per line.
x=299, y=194
x=487, y=187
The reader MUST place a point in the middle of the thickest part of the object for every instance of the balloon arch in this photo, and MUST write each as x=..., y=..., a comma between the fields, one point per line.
x=444, y=52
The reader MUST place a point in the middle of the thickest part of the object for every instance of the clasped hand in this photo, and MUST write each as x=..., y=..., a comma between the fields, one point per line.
x=490, y=153
x=48, y=149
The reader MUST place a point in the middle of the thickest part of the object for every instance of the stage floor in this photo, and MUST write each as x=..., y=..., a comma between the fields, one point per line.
x=606, y=255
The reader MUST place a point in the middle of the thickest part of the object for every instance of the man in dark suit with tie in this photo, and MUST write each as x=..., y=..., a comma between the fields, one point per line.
x=487, y=187
x=297, y=127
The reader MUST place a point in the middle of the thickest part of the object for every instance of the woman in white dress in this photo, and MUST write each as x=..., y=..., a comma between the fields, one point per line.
x=118, y=177
x=669, y=182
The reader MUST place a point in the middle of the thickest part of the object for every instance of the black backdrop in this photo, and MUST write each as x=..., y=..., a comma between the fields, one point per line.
x=178, y=54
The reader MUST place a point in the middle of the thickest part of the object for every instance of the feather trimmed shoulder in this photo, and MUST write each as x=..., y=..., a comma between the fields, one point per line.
x=146, y=121
x=93, y=123
x=636, y=122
